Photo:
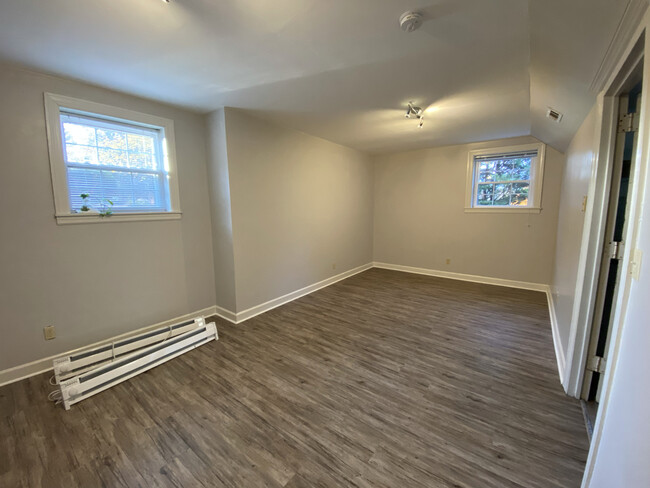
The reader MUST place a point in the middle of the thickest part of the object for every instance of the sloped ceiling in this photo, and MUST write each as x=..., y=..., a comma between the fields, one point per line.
x=338, y=69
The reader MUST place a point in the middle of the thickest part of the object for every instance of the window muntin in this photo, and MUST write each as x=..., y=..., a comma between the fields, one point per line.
x=503, y=180
x=114, y=161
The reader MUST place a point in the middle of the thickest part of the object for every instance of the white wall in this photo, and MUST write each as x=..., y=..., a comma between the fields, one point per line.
x=91, y=281
x=420, y=219
x=624, y=451
x=580, y=158
x=300, y=204
x=221, y=212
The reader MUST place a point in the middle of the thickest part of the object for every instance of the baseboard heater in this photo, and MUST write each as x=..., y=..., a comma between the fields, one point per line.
x=87, y=373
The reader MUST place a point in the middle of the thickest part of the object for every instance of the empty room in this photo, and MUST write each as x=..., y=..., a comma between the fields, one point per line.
x=303, y=243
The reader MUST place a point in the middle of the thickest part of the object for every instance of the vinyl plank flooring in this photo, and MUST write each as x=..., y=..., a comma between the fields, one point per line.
x=385, y=379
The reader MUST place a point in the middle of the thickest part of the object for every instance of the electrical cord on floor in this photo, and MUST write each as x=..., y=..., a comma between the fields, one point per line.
x=55, y=396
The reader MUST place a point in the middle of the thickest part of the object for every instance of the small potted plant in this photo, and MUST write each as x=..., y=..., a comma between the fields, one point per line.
x=85, y=204
x=106, y=209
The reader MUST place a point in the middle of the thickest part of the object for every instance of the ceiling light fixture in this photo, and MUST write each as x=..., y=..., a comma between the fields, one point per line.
x=415, y=112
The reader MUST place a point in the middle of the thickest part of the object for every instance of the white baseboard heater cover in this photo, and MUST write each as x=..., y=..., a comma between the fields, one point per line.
x=170, y=342
x=80, y=362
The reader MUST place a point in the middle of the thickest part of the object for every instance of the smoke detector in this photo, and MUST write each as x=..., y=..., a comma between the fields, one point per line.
x=409, y=21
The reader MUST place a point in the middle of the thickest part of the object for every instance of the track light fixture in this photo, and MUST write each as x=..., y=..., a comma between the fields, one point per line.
x=415, y=112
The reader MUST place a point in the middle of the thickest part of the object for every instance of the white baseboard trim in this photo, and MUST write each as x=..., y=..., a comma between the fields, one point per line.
x=225, y=314
x=39, y=366
x=42, y=365
x=276, y=302
x=557, y=344
x=524, y=285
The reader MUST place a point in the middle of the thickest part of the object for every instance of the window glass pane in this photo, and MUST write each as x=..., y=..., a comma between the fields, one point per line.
x=486, y=166
x=79, y=134
x=81, y=154
x=486, y=176
x=111, y=138
x=520, y=194
x=141, y=161
x=503, y=171
x=502, y=194
x=484, y=196
x=521, y=169
x=112, y=157
x=140, y=143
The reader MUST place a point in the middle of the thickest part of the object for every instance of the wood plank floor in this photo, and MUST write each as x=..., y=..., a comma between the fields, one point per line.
x=386, y=379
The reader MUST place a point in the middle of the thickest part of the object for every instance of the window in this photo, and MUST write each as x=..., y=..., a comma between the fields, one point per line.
x=507, y=179
x=122, y=160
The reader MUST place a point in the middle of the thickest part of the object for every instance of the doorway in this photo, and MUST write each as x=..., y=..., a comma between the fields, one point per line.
x=611, y=273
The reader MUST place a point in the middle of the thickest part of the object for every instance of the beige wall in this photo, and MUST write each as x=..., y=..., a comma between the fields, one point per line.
x=299, y=205
x=575, y=185
x=91, y=281
x=420, y=219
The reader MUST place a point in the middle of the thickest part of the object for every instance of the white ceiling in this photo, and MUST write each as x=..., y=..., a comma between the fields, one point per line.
x=339, y=69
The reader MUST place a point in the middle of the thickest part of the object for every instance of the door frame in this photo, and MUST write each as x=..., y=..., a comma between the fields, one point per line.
x=596, y=219
x=611, y=216
x=593, y=232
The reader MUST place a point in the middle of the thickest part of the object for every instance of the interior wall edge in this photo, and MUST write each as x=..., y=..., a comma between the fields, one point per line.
x=557, y=342
x=294, y=295
x=487, y=280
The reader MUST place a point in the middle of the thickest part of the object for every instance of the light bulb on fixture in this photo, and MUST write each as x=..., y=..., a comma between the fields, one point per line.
x=166, y=1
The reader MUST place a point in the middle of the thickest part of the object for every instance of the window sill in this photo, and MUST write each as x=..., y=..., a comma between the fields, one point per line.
x=507, y=210
x=84, y=218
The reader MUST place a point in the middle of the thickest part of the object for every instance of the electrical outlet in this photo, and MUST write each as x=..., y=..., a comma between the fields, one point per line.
x=584, y=204
x=49, y=332
x=333, y=265
x=448, y=261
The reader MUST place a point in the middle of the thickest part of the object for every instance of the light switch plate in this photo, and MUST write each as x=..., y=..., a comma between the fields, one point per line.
x=635, y=264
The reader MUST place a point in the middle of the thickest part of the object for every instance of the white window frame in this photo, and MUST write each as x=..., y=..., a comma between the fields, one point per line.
x=54, y=105
x=536, y=180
